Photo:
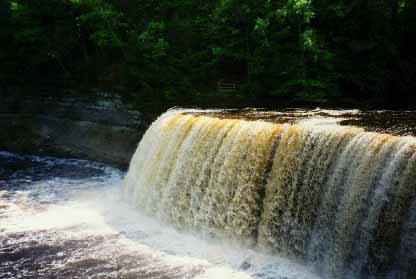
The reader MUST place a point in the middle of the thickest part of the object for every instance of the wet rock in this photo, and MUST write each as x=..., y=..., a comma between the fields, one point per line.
x=97, y=127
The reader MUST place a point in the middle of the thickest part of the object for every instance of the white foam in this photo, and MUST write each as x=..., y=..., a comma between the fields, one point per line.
x=100, y=211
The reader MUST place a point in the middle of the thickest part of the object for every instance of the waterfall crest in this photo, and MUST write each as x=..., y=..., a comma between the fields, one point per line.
x=339, y=197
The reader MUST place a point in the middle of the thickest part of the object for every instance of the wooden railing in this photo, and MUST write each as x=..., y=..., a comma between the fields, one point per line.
x=227, y=86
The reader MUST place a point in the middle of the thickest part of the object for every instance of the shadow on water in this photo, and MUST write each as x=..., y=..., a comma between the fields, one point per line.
x=397, y=123
x=47, y=231
x=66, y=219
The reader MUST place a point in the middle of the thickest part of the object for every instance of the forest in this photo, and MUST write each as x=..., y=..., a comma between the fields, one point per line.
x=177, y=52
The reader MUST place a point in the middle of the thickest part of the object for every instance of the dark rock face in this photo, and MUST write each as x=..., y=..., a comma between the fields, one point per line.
x=99, y=127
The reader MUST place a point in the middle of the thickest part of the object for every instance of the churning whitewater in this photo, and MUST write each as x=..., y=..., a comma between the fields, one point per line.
x=65, y=218
x=336, y=198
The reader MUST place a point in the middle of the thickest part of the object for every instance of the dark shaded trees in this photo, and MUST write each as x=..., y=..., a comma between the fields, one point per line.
x=361, y=49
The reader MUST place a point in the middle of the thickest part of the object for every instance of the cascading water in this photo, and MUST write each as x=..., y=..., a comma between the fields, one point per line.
x=338, y=198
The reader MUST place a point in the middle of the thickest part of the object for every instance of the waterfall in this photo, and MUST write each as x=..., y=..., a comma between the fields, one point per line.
x=338, y=198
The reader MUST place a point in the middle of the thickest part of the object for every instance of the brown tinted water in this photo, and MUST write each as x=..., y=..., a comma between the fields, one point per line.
x=397, y=123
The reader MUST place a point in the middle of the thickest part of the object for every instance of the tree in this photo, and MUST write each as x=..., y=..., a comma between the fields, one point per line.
x=290, y=49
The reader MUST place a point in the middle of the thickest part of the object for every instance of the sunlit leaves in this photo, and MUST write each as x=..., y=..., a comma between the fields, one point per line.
x=295, y=11
x=152, y=41
x=106, y=23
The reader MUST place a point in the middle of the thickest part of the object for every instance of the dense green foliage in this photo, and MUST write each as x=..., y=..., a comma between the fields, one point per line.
x=173, y=50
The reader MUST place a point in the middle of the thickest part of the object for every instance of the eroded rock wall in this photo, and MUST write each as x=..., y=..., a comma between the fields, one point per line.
x=99, y=126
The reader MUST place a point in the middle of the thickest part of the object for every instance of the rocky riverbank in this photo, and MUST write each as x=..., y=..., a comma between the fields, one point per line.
x=99, y=127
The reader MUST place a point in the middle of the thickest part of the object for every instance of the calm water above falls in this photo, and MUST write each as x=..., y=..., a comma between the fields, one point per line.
x=67, y=219
x=209, y=195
